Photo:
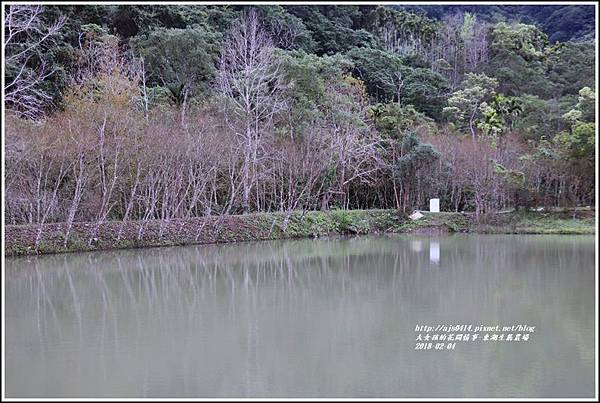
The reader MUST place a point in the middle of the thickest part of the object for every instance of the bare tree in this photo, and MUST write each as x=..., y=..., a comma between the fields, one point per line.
x=251, y=83
x=137, y=71
x=99, y=54
x=25, y=65
x=80, y=177
x=108, y=160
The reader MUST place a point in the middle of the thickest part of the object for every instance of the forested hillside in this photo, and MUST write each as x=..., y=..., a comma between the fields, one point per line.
x=159, y=112
x=560, y=22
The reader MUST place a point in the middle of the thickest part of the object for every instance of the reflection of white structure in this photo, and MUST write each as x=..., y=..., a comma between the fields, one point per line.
x=416, y=246
x=434, y=205
x=434, y=252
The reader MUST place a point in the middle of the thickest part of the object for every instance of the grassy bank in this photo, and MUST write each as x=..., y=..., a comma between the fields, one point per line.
x=565, y=222
x=20, y=240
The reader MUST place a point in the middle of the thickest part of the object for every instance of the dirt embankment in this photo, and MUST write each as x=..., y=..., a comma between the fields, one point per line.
x=21, y=239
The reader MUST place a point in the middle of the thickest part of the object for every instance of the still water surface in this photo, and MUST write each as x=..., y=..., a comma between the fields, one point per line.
x=303, y=318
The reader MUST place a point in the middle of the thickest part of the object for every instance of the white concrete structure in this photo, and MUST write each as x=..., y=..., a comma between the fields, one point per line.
x=415, y=215
x=434, y=205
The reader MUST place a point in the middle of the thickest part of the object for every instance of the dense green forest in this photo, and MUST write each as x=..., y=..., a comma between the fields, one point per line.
x=146, y=112
x=560, y=22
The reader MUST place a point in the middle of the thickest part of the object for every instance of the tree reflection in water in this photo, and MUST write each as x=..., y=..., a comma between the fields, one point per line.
x=302, y=318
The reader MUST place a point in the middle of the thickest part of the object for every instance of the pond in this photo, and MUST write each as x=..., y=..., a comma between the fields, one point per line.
x=305, y=318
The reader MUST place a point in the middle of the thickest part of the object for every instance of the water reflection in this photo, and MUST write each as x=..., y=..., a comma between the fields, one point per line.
x=434, y=252
x=302, y=318
x=417, y=245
